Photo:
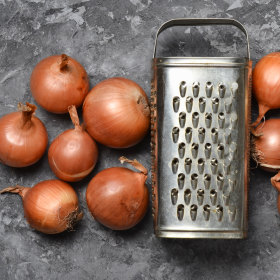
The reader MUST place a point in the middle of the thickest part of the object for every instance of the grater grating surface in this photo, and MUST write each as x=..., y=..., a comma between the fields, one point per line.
x=200, y=110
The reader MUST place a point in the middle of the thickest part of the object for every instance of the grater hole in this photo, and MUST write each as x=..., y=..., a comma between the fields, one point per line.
x=206, y=208
x=214, y=130
x=200, y=166
x=215, y=100
x=182, y=119
x=208, y=83
x=181, y=180
x=193, y=211
x=219, y=211
x=174, y=196
x=175, y=134
x=187, y=196
x=194, y=179
x=183, y=83
x=176, y=103
x=180, y=211
x=175, y=164
x=221, y=86
x=213, y=196
x=200, y=196
x=202, y=100
x=188, y=165
x=181, y=149
x=221, y=116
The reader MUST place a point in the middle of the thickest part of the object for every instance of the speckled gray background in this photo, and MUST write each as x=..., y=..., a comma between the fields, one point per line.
x=115, y=38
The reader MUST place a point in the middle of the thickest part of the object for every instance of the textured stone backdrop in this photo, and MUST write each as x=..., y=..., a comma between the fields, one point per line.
x=115, y=38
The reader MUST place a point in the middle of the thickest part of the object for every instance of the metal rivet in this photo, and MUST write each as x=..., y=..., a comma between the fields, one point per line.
x=183, y=88
x=176, y=103
x=193, y=212
x=174, y=196
x=194, y=179
x=207, y=180
x=175, y=164
x=209, y=89
x=180, y=212
x=182, y=119
x=187, y=196
x=195, y=119
x=195, y=88
x=189, y=103
x=188, y=134
x=181, y=180
x=181, y=149
x=188, y=165
x=202, y=103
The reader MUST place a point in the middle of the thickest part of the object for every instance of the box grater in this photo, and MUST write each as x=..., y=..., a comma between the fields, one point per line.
x=200, y=142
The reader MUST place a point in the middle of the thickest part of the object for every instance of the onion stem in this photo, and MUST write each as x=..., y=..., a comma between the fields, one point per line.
x=16, y=189
x=136, y=164
x=64, y=62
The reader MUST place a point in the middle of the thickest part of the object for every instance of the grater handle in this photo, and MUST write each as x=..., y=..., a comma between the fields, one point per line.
x=202, y=21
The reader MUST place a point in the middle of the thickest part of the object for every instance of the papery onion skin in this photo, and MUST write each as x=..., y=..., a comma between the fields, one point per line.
x=50, y=206
x=266, y=147
x=116, y=113
x=57, y=82
x=266, y=84
x=73, y=154
x=23, y=137
x=118, y=198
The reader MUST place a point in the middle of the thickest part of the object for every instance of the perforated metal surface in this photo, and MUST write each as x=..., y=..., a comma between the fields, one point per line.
x=200, y=138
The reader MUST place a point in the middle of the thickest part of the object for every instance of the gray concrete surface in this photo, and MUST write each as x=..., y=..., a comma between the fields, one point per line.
x=115, y=38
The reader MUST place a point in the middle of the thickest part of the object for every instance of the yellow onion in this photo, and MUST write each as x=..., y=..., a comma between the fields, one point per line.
x=73, y=154
x=23, y=137
x=57, y=82
x=50, y=206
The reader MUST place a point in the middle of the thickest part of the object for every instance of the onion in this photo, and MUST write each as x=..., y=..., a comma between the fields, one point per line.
x=50, y=206
x=266, y=147
x=266, y=84
x=117, y=197
x=57, y=82
x=116, y=113
x=23, y=137
x=73, y=154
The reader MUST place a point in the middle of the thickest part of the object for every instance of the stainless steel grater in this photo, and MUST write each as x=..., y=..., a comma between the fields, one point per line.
x=200, y=142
